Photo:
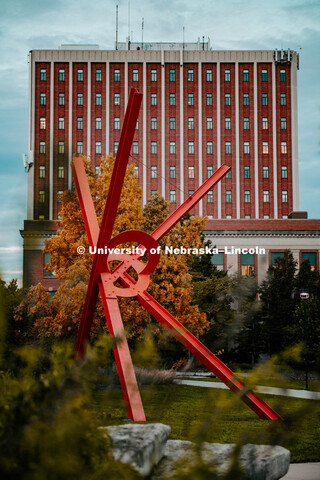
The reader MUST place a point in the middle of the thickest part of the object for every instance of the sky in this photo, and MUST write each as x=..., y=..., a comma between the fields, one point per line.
x=230, y=24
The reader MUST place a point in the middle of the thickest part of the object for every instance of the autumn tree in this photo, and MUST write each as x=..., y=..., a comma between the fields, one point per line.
x=170, y=282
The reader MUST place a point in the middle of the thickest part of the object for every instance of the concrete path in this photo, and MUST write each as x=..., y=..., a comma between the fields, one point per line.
x=303, y=471
x=289, y=392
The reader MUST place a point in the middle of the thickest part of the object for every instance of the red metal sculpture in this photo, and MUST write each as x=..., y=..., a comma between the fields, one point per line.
x=103, y=279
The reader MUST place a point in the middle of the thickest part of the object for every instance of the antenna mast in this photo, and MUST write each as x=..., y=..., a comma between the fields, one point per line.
x=117, y=27
x=142, y=26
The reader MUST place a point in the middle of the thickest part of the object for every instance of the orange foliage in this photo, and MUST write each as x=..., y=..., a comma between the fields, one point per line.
x=170, y=282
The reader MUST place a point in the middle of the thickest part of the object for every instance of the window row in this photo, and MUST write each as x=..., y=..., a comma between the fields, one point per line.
x=266, y=196
x=172, y=75
x=42, y=171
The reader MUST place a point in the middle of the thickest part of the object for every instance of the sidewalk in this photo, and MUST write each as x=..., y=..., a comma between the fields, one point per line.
x=289, y=392
x=303, y=471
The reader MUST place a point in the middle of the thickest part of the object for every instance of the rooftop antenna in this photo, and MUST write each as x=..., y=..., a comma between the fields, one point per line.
x=117, y=27
x=129, y=20
x=203, y=42
x=142, y=27
x=183, y=37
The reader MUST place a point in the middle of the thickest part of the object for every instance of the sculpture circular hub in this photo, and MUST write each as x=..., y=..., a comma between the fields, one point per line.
x=148, y=246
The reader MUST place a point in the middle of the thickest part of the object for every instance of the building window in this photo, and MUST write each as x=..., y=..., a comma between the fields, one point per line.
x=80, y=99
x=98, y=123
x=210, y=196
x=275, y=256
x=115, y=147
x=264, y=75
x=266, y=196
x=311, y=257
x=265, y=172
x=153, y=75
x=172, y=99
x=61, y=123
x=266, y=216
x=246, y=99
x=153, y=123
x=80, y=75
x=191, y=172
x=265, y=123
x=98, y=99
x=227, y=76
x=284, y=172
x=79, y=147
x=154, y=171
x=117, y=76
x=42, y=196
x=116, y=123
x=172, y=75
x=42, y=171
x=135, y=75
x=227, y=123
x=153, y=99
x=246, y=123
x=154, y=147
x=60, y=172
x=284, y=147
x=247, y=196
x=172, y=196
x=98, y=147
x=209, y=148
x=265, y=147
x=190, y=75
x=172, y=147
x=228, y=196
x=282, y=75
x=42, y=98
x=43, y=74
x=209, y=123
x=190, y=99
x=79, y=123
x=61, y=75
x=284, y=196
x=228, y=148
x=283, y=123
x=191, y=123
x=61, y=98
x=247, y=264
x=153, y=192
x=61, y=147
x=172, y=171
x=246, y=147
x=209, y=98
x=228, y=217
x=209, y=171
x=209, y=75
x=191, y=147
x=137, y=124
x=42, y=147
x=98, y=75
x=283, y=99
x=246, y=172
x=135, y=148
x=246, y=75
x=172, y=123
x=116, y=98
x=136, y=171
x=247, y=217
x=227, y=99
x=264, y=99
x=46, y=259
x=218, y=260
x=229, y=174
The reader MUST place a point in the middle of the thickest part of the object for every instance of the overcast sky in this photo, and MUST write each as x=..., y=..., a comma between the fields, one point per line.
x=230, y=24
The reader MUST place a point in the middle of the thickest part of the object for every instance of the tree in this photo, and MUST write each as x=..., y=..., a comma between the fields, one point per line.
x=278, y=304
x=212, y=294
x=170, y=282
x=11, y=296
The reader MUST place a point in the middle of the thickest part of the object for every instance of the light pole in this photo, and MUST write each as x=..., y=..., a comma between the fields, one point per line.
x=304, y=296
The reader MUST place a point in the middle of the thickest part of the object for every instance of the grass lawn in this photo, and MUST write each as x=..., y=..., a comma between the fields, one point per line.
x=218, y=416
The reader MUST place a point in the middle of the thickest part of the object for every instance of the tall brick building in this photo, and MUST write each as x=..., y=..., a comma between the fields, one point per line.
x=201, y=108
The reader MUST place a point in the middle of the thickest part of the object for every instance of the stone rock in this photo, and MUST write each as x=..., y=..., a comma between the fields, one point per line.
x=259, y=462
x=141, y=446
